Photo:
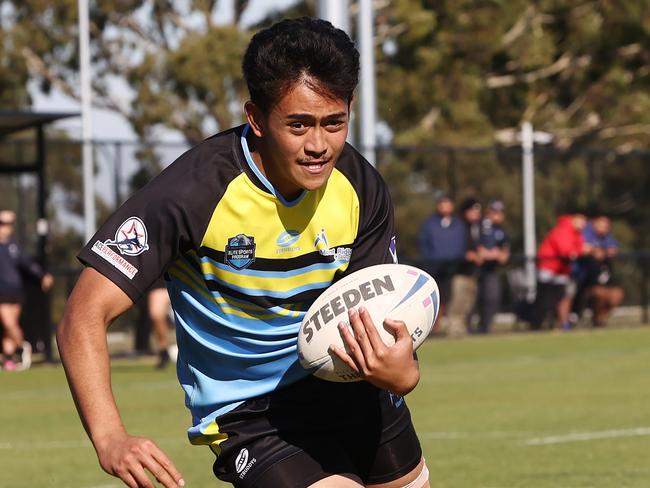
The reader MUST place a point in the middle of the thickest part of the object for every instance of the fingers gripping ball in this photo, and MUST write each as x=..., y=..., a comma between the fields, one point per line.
x=395, y=291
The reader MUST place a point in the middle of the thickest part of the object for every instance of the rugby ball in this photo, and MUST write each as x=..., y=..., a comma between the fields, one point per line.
x=396, y=291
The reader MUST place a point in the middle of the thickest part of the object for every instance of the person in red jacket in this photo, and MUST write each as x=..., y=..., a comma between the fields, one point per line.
x=561, y=246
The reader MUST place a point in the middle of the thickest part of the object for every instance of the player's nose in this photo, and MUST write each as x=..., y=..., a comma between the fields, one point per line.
x=316, y=143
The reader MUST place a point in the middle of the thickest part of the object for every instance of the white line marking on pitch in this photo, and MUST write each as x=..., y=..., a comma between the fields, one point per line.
x=588, y=436
x=474, y=435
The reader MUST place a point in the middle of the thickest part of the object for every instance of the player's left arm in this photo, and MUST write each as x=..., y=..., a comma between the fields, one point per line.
x=393, y=368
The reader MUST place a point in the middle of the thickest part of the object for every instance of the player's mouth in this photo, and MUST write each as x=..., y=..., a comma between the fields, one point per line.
x=314, y=167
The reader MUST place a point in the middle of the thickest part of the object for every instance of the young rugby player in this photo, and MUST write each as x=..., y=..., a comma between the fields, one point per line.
x=249, y=227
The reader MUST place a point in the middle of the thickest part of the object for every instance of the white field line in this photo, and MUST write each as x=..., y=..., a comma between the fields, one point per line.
x=588, y=436
x=473, y=435
x=538, y=441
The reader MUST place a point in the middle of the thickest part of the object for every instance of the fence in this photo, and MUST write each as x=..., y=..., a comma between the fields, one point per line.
x=576, y=177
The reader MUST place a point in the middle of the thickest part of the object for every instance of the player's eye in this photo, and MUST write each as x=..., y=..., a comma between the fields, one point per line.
x=297, y=126
x=334, y=125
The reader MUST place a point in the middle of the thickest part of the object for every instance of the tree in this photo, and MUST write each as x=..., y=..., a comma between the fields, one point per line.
x=163, y=62
x=469, y=72
x=463, y=73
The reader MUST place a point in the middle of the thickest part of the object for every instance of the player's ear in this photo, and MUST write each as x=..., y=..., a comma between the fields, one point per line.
x=255, y=118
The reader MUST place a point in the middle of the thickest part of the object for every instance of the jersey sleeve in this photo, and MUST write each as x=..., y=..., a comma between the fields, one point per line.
x=136, y=243
x=159, y=223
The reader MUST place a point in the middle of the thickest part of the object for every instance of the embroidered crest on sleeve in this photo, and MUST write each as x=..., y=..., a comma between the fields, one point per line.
x=131, y=237
x=130, y=240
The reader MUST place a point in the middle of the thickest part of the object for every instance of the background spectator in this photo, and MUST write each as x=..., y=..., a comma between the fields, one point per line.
x=561, y=246
x=600, y=290
x=158, y=306
x=16, y=353
x=495, y=251
x=442, y=242
x=464, y=282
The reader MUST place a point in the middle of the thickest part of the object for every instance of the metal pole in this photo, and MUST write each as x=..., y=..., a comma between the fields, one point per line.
x=337, y=12
x=228, y=9
x=368, y=105
x=528, y=180
x=86, y=121
x=42, y=225
x=117, y=174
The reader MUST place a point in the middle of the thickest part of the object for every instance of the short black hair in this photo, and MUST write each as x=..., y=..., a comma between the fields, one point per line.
x=303, y=49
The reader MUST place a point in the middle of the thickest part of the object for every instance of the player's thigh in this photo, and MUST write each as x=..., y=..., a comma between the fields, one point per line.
x=338, y=481
x=418, y=477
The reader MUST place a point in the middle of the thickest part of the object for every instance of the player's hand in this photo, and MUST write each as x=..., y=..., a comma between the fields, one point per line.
x=127, y=457
x=392, y=368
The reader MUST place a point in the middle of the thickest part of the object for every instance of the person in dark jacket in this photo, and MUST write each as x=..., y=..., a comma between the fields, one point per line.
x=495, y=252
x=464, y=282
x=442, y=241
x=602, y=291
x=16, y=353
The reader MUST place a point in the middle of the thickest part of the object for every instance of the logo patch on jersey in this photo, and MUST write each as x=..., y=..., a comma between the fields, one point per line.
x=131, y=237
x=288, y=238
x=240, y=251
x=242, y=464
x=242, y=460
x=286, y=241
x=126, y=268
x=320, y=242
x=392, y=248
x=338, y=253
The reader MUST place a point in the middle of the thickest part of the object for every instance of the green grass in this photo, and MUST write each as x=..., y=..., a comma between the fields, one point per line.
x=491, y=412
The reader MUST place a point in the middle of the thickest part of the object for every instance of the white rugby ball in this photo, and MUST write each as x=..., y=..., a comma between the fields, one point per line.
x=396, y=291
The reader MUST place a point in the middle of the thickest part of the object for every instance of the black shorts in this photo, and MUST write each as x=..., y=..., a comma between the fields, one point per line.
x=313, y=429
x=12, y=296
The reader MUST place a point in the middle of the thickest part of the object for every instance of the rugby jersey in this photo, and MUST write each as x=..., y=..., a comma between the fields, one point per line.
x=242, y=264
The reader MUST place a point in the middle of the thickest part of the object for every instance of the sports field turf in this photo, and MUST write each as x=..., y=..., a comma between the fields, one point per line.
x=511, y=410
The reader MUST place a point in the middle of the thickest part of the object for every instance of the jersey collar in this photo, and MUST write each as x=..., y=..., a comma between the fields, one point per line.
x=260, y=176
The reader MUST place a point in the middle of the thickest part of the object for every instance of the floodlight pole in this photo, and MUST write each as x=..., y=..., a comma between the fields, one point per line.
x=368, y=99
x=528, y=139
x=86, y=121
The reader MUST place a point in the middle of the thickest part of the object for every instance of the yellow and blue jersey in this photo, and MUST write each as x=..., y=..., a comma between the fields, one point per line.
x=242, y=264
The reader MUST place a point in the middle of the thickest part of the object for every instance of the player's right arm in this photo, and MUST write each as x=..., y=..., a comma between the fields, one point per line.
x=81, y=336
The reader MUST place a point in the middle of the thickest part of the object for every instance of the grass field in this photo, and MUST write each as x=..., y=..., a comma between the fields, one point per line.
x=511, y=410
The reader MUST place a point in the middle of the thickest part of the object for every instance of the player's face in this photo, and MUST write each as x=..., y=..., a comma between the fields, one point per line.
x=300, y=139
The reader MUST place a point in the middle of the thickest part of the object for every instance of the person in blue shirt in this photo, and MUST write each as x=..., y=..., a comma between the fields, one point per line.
x=442, y=242
x=16, y=352
x=495, y=252
x=598, y=287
